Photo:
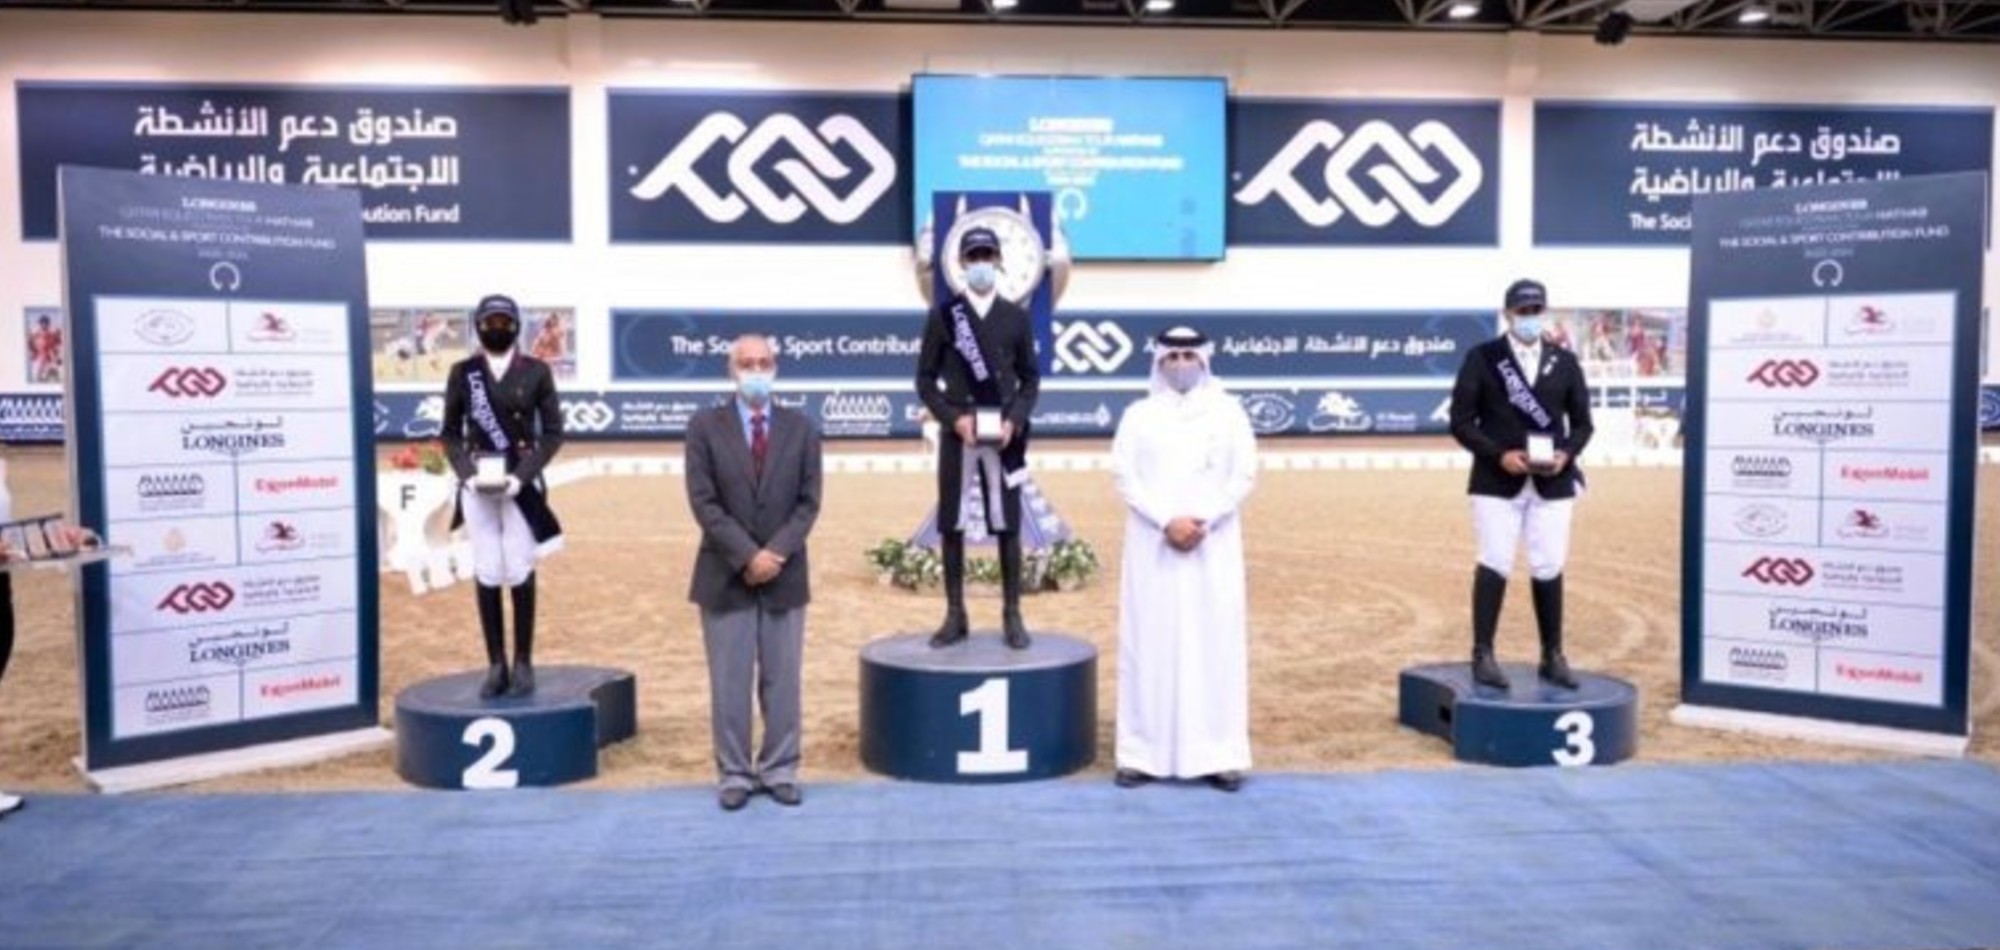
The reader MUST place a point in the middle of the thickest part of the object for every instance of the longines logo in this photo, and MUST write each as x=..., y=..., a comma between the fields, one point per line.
x=1821, y=624
x=234, y=437
x=1338, y=412
x=1784, y=374
x=811, y=169
x=241, y=647
x=1823, y=426
x=1781, y=571
x=1755, y=664
x=1269, y=412
x=1761, y=520
x=198, y=598
x=1081, y=347
x=1377, y=152
x=178, y=382
x=164, y=327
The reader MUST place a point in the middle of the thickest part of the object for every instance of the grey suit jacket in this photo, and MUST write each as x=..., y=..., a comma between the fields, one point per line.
x=738, y=514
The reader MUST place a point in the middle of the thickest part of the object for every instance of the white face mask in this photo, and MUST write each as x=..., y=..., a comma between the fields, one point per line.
x=981, y=276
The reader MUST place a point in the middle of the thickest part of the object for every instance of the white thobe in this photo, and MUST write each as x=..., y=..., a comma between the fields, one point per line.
x=1183, y=630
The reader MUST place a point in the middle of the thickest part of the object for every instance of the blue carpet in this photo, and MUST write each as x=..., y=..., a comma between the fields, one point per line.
x=1782, y=855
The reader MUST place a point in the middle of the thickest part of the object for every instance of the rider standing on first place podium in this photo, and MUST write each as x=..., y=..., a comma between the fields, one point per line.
x=977, y=373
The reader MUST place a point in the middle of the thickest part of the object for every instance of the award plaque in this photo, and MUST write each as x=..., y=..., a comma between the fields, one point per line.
x=489, y=471
x=1541, y=452
x=986, y=426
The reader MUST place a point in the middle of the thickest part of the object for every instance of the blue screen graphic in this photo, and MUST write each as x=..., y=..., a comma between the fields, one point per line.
x=1135, y=166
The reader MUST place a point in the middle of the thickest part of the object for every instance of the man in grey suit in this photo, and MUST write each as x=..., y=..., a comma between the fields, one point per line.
x=753, y=482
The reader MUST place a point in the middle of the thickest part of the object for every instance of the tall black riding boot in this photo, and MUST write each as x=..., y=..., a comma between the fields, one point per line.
x=1489, y=592
x=1015, y=629
x=1549, y=622
x=524, y=638
x=955, y=627
x=491, y=626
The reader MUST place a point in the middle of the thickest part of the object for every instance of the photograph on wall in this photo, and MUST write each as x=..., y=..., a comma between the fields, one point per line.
x=1619, y=343
x=420, y=344
x=44, y=335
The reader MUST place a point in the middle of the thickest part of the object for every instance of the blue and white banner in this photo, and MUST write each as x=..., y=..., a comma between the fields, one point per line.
x=689, y=345
x=1831, y=452
x=1611, y=173
x=1358, y=172
x=446, y=164
x=220, y=354
x=31, y=417
x=891, y=410
x=795, y=167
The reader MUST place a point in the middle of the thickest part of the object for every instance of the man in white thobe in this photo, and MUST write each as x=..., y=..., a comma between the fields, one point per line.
x=1184, y=460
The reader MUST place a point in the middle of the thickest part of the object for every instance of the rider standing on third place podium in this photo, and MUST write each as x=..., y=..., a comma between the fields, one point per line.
x=1522, y=408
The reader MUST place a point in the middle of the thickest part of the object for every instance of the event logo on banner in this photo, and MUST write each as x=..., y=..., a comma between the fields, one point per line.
x=446, y=164
x=1628, y=172
x=1364, y=173
x=1829, y=495
x=240, y=473
x=709, y=166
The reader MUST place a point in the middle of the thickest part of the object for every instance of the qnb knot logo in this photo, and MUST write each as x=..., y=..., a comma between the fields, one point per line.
x=812, y=179
x=1780, y=571
x=1785, y=374
x=198, y=598
x=593, y=415
x=198, y=382
x=1401, y=166
x=1082, y=347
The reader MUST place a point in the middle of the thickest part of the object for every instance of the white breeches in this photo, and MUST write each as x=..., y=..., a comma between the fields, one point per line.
x=503, y=547
x=1499, y=524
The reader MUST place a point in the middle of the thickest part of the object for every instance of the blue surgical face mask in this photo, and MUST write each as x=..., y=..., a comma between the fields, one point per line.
x=980, y=276
x=1185, y=376
x=755, y=387
x=1527, y=329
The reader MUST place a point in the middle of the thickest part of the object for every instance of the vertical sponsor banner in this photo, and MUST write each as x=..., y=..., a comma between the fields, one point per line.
x=220, y=341
x=1833, y=404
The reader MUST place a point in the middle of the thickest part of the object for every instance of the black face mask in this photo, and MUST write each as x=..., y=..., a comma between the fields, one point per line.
x=498, y=336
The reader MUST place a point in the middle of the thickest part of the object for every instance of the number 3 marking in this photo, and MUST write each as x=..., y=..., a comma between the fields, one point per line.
x=1576, y=726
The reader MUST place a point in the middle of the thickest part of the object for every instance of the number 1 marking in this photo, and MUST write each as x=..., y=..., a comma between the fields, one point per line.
x=989, y=703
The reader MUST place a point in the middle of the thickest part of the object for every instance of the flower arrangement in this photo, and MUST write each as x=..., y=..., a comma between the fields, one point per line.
x=1067, y=566
x=424, y=456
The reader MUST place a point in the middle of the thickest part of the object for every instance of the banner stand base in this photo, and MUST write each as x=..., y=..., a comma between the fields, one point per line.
x=1907, y=741
x=201, y=768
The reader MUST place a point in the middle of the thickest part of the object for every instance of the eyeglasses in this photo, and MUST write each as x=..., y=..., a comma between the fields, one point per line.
x=1534, y=310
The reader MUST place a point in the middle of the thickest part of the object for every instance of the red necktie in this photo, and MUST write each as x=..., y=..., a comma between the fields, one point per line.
x=759, y=445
